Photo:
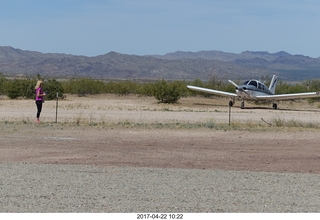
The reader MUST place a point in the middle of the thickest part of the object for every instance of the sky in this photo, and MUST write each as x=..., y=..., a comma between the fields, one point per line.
x=145, y=27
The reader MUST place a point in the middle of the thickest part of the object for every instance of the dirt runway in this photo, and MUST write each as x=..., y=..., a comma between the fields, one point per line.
x=84, y=135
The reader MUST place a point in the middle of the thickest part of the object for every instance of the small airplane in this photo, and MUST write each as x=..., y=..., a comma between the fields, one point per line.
x=256, y=91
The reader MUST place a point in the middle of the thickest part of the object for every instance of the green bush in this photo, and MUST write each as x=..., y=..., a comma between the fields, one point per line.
x=84, y=86
x=123, y=87
x=167, y=92
x=2, y=84
x=145, y=89
x=51, y=88
x=20, y=88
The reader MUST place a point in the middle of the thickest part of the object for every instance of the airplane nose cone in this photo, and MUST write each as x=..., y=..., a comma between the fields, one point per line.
x=240, y=88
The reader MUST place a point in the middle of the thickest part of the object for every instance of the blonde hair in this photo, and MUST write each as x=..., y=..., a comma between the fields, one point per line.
x=39, y=82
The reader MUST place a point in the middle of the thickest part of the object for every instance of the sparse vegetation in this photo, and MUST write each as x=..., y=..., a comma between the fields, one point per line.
x=164, y=91
x=289, y=125
x=278, y=122
x=24, y=88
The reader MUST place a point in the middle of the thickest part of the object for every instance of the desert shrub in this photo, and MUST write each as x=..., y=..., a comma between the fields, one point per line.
x=2, y=84
x=20, y=88
x=122, y=87
x=110, y=87
x=13, y=89
x=216, y=83
x=51, y=87
x=167, y=92
x=145, y=89
x=84, y=86
x=126, y=87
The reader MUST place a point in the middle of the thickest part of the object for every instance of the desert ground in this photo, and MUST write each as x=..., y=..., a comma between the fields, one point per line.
x=111, y=130
x=110, y=153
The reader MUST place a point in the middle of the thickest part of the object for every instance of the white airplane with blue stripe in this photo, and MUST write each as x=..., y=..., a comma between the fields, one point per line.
x=256, y=91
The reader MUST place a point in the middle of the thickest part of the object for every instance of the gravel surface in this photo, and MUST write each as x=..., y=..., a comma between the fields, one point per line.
x=65, y=167
x=78, y=188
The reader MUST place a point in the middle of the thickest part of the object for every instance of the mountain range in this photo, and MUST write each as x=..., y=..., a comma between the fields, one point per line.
x=171, y=66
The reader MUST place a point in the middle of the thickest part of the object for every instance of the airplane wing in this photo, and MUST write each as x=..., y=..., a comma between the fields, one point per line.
x=211, y=91
x=289, y=96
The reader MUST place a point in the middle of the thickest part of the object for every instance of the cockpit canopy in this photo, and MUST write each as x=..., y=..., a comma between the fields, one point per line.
x=256, y=84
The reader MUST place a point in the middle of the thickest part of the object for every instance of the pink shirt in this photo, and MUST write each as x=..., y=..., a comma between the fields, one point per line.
x=38, y=98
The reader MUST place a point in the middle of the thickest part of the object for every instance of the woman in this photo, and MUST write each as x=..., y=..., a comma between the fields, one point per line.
x=39, y=98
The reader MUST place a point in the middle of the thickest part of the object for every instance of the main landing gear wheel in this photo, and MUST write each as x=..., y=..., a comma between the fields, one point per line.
x=242, y=104
x=274, y=106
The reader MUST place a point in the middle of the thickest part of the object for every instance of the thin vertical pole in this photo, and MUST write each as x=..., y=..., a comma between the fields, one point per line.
x=57, y=107
x=229, y=114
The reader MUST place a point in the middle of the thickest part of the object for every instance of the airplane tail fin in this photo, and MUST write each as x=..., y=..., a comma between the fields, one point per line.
x=273, y=84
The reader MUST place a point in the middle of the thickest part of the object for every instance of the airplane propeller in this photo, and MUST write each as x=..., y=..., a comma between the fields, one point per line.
x=233, y=83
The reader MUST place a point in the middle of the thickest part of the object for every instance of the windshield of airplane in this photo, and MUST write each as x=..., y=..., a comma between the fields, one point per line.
x=246, y=82
x=253, y=83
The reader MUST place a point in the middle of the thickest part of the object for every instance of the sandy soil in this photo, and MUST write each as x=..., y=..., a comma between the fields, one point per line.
x=109, y=130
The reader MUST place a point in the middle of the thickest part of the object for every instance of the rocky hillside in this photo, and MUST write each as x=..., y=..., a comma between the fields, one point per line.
x=177, y=65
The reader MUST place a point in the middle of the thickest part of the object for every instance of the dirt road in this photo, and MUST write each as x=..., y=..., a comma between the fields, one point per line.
x=88, y=132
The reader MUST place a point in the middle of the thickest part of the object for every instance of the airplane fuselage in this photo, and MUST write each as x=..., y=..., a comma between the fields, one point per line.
x=252, y=89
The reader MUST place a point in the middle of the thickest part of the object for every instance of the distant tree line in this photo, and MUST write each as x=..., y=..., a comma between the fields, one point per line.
x=164, y=91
